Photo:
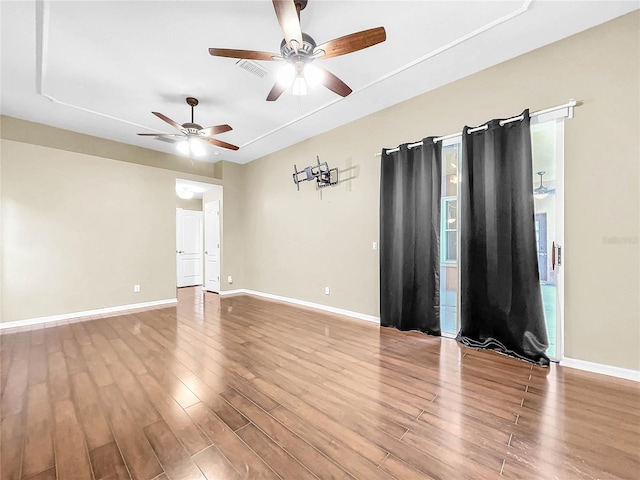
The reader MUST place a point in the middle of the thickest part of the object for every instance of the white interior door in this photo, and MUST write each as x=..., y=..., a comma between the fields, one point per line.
x=188, y=247
x=212, y=246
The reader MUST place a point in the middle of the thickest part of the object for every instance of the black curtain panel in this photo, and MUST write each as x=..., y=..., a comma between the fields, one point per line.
x=500, y=296
x=410, y=238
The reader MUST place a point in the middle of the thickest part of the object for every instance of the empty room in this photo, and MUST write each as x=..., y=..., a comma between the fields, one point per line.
x=312, y=239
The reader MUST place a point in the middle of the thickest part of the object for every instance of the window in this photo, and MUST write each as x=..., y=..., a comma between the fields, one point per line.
x=449, y=241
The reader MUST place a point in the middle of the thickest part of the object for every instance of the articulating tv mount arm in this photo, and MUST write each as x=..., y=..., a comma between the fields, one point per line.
x=321, y=173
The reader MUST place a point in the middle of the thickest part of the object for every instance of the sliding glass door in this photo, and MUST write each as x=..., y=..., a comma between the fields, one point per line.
x=548, y=151
x=449, y=235
x=547, y=133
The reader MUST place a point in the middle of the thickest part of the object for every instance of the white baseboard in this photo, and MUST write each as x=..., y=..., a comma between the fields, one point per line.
x=237, y=291
x=87, y=313
x=304, y=303
x=618, y=372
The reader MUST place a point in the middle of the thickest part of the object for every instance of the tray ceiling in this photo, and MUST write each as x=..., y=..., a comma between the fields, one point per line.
x=100, y=68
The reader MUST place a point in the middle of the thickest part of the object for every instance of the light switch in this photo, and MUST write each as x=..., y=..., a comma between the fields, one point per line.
x=374, y=246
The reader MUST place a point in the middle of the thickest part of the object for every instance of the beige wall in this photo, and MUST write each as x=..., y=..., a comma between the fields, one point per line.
x=44, y=135
x=232, y=224
x=298, y=242
x=78, y=231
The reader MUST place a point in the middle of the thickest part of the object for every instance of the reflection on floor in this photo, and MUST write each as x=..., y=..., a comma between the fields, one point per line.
x=448, y=313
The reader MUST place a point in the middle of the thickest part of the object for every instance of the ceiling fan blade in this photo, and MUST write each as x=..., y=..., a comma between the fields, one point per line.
x=219, y=143
x=169, y=121
x=334, y=84
x=246, y=54
x=289, y=22
x=209, y=131
x=275, y=92
x=159, y=134
x=351, y=43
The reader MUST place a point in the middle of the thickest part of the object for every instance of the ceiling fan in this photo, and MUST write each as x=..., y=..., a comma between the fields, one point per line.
x=542, y=191
x=193, y=133
x=299, y=50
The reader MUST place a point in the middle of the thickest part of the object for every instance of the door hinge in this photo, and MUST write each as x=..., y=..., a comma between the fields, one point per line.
x=218, y=245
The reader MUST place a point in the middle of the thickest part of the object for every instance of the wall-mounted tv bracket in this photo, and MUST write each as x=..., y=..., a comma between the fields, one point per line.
x=321, y=172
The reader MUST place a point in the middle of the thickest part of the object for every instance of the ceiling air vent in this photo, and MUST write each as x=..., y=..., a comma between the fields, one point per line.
x=253, y=67
x=166, y=139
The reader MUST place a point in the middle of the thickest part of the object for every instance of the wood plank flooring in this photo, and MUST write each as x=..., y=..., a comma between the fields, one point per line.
x=245, y=388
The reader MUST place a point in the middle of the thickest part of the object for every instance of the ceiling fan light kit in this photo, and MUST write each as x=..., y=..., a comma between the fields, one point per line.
x=191, y=147
x=193, y=134
x=299, y=50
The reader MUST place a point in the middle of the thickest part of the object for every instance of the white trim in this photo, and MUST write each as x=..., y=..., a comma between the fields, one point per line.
x=618, y=372
x=87, y=313
x=304, y=303
x=560, y=222
x=237, y=291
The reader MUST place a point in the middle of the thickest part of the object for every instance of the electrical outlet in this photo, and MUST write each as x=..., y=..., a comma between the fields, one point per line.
x=374, y=246
x=230, y=279
x=327, y=291
x=136, y=288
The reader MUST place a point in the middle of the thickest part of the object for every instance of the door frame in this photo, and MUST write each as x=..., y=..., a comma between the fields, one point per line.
x=559, y=244
x=219, y=247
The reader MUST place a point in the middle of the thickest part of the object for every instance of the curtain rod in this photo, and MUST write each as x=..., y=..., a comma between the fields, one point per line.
x=572, y=103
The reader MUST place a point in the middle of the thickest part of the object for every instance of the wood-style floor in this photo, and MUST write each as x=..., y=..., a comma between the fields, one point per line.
x=244, y=388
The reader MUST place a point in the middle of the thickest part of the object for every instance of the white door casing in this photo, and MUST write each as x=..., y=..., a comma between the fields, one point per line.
x=212, y=246
x=188, y=247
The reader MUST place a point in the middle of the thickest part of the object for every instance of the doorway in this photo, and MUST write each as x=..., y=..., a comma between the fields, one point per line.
x=548, y=161
x=547, y=134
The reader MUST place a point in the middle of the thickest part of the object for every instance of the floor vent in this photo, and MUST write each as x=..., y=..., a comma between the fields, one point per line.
x=253, y=67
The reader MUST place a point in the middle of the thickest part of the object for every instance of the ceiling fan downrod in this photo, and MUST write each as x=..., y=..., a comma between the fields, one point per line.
x=300, y=4
x=192, y=102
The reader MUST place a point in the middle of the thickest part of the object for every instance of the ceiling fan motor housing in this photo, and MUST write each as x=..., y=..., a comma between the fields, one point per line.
x=191, y=128
x=304, y=53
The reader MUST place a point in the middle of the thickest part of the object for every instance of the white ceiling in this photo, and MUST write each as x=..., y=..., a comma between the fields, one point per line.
x=105, y=65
